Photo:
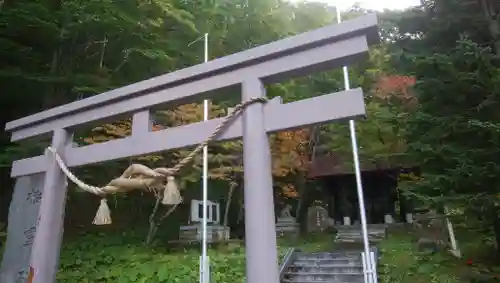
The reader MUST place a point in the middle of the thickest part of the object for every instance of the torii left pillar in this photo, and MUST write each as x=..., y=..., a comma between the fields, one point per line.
x=50, y=226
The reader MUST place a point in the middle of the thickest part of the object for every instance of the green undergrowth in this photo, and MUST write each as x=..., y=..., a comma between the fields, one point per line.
x=106, y=258
x=123, y=258
x=402, y=262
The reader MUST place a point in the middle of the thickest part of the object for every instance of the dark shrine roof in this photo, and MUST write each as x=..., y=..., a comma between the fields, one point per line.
x=334, y=164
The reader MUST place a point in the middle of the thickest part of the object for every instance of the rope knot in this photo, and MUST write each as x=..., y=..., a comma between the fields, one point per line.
x=126, y=182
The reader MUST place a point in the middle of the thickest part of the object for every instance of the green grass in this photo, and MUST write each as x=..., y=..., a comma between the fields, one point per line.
x=310, y=243
x=401, y=262
x=122, y=258
x=102, y=258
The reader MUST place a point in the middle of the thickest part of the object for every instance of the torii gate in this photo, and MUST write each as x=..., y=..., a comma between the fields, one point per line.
x=325, y=48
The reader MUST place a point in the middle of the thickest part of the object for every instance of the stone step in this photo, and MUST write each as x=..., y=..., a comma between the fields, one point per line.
x=336, y=254
x=354, y=235
x=329, y=269
x=323, y=274
x=327, y=257
x=325, y=277
x=328, y=262
x=334, y=280
x=343, y=266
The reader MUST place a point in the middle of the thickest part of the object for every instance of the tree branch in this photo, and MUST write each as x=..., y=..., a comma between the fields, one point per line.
x=154, y=225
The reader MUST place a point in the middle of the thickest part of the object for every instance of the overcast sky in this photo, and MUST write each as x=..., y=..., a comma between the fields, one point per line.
x=372, y=4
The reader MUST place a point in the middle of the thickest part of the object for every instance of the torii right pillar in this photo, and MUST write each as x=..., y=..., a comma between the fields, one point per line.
x=260, y=228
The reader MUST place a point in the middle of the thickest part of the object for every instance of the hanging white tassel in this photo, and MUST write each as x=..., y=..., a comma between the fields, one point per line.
x=103, y=215
x=171, y=195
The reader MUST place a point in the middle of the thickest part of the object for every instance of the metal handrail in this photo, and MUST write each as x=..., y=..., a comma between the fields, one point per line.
x=371, y=276
x=287, y=260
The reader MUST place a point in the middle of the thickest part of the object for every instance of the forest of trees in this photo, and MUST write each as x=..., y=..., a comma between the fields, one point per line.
x=432, y=86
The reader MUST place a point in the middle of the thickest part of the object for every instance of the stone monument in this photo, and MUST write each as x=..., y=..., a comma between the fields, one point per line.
x=194, y=230
x=286, y=223
x=431, y=231
x=318, y=219
x=23, y=223
x=436, y=232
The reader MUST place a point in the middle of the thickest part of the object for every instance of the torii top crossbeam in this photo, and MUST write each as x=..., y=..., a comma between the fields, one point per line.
x=300, y=55
x=224, y=72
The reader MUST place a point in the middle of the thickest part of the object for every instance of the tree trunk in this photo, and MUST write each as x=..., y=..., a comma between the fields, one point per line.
x=232, y=186
x=155, y=224
x=496, y=230
x=300, y=184
x=301, y=181
x=306, y=198
x=241, y=212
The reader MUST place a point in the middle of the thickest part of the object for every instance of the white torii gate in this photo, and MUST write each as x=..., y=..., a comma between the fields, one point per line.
x=325, y=48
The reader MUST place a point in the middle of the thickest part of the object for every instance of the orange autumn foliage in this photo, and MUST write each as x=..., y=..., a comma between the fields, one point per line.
x=289, y=191
x=289, y=153
x=396, y=86
x=395, y=83
x=287, y=150
x=118, y=130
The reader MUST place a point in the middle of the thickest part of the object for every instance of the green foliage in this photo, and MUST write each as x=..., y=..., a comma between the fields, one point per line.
x=452, y=132
x=401, y=262
x=463, y=100
x=123, y=258
x=81, y=48
x=378, y=138
x=451, y=48
x=57, y=52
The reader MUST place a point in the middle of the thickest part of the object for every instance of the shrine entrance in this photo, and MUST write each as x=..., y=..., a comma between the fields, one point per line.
x=37, y=209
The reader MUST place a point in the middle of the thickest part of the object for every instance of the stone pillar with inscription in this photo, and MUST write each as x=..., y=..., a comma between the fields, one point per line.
x=23, y=218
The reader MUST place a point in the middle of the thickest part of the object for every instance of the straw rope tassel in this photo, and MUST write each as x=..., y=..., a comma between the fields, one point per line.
x=171, y=194
x=103, y=215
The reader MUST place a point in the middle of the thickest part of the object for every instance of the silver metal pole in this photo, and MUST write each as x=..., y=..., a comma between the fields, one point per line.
x=359, y=184
x=204, y=260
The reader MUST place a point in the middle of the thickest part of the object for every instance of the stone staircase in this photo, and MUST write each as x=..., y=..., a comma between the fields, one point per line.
x=323, y=267
x=352, y=233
